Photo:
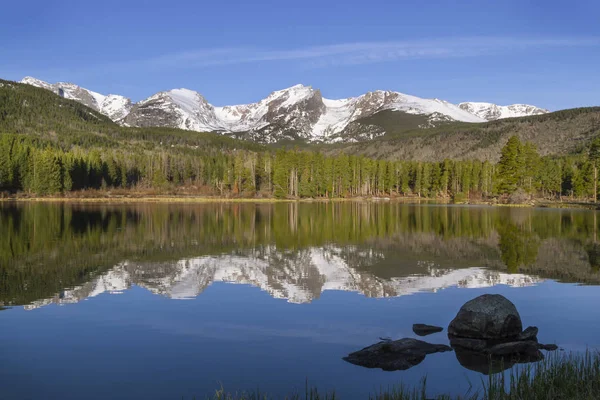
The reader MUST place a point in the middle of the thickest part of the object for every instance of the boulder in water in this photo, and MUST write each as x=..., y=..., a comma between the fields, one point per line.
x=487, y=336
x=490, y=316
x=394, y=355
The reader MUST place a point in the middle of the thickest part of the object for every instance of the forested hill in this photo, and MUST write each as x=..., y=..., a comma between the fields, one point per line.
x=47, y=117
x=49, y=145
x=558, y=133
x=25, y=109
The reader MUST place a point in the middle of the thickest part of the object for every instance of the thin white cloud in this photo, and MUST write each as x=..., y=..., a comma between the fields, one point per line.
x=365, y=52
x=333, y=55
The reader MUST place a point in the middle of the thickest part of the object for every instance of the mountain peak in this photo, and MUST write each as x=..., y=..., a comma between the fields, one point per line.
x=299, y=86
x=292, y=91
x=113, y=106
x=491, y=112
x=297, y=112
x=28, y=79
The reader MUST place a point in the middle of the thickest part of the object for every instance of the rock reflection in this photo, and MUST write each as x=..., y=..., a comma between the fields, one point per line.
x=487, y=364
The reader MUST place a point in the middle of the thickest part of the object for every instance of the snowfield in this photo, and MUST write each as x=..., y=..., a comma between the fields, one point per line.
x=298, y=108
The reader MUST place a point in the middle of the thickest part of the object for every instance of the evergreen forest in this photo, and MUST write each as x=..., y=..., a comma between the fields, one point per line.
x=53, y=146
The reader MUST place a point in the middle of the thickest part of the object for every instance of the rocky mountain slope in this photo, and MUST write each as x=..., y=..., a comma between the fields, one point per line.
x=560, y=132
x=296, y=113
x=113, y=106
x=492, y=112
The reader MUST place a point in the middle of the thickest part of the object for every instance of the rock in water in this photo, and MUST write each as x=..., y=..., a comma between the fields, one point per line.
x=395, y=355
x=490, y=316
x=424, y=330
x=486, y=336
x=529, y=334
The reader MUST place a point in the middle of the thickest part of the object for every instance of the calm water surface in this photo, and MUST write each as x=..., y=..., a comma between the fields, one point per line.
x=175, y=301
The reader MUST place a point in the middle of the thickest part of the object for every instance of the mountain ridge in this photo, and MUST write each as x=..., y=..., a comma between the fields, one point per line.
x=113, y=106
x=296, y=113
x=493, y=112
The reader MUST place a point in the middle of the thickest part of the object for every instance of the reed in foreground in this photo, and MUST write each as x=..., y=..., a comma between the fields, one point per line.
x=559, y=377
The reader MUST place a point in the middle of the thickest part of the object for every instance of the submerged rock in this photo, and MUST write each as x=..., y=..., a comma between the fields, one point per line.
x=487, y=336
x=490, y=316
x=395, y=355
x=424, y=329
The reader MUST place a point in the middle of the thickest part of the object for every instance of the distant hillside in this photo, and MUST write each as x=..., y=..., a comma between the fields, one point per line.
x=557, y=133
x=40, y=113
x=388, y=134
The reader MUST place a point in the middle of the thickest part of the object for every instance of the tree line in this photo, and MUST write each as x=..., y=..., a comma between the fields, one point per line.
x=39, y=168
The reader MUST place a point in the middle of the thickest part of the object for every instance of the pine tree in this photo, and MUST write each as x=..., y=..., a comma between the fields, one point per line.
x=594, y=157
x=445, y=178
x=6, y=164
x=531, y=168
x=486, y=178
x=280, y=175
x=418, y=178
x=510, y=166
x=436, y=176
x=426, y=179
x=67, y=171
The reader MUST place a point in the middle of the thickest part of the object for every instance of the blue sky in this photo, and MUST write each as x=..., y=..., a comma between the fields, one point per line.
x=545, y=53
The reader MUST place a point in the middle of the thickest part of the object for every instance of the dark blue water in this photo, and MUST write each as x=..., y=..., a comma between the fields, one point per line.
x=268, y=317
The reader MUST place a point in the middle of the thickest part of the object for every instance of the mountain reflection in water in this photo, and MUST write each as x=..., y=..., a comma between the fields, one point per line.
x=61, y=253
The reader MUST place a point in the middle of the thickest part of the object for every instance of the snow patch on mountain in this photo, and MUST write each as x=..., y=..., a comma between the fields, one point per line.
x=340, y=113
x=113, y=106
x=298, y=112
x=300, y=108
x=290, y=96
x=491, y=112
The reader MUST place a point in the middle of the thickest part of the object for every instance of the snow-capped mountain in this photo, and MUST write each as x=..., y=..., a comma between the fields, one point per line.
x=298, y=277
x=113, y=106
x=299, y=112
x=491, y=112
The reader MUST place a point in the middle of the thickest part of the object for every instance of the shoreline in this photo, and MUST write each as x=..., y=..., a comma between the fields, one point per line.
x=179, y=199
x=206, y=199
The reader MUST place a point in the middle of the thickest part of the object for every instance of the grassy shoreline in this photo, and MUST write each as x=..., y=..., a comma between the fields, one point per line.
x=170, y=198
x=558, y=377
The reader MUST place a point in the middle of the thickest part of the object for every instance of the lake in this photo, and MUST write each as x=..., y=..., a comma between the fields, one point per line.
x=160, y=301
